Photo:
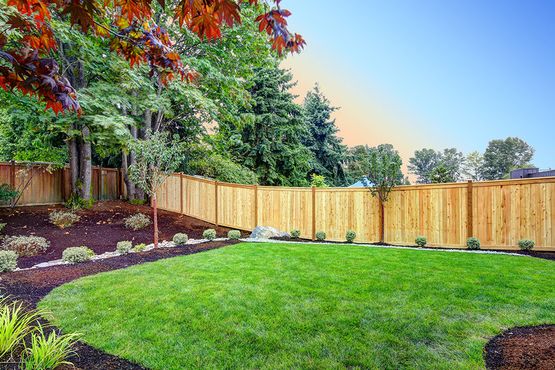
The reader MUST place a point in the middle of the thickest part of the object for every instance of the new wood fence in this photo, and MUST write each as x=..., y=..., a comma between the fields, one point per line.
x=40, y=185
x=499, y=213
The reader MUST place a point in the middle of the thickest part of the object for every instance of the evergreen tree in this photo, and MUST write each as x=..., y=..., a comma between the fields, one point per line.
x=271, y=144
x=322, y=140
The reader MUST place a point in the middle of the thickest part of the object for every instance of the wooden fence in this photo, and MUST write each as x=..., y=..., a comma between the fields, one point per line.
x=41, y=185
x=499, y=213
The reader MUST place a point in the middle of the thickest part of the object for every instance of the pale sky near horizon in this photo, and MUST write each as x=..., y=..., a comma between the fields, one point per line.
x=432, y=73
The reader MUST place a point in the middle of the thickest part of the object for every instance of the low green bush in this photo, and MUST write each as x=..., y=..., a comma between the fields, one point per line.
x=295, y=233
x=421, y=241
x=526, y=244
x=180, y=239
x=320, y=235
x=137, y=202
x=139, y=247
x=76, y=254
x=473, y=243
x=209, y=234
x=234, y=234
x=350, y=236
x=63, y=219
x=8, y=261
x=25, y=246
x=137, y=221
x=2, y=226
x=124, y=247
x=47, y=351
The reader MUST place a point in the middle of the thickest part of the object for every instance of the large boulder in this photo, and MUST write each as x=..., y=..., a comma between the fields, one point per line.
x=267, y=232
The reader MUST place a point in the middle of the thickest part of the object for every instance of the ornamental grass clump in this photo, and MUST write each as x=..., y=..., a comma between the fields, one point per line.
x=77, y=254
x=139, y=248
x=234, y=234
x=473, y=243
x=421, y=241
x=180, y=239
x=63, y=219
x=124, y=247
x=25, y=246
x=209, y=234
x=320, y=235
x=350, y=236
x=526, y=244
x=15, y=324
x=8, y=261
x=48, y=351
x=137, y=221
x=295, y=233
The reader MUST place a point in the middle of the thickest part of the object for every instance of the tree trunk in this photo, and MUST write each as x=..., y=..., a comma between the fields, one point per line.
x=155, y=217
x=85, y=173
x=382, y=222
x=73, y=164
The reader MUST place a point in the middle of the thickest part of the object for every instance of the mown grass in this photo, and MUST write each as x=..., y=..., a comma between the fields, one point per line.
x=275, y=306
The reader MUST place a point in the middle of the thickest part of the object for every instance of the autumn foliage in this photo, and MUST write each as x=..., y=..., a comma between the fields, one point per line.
x=28, y=45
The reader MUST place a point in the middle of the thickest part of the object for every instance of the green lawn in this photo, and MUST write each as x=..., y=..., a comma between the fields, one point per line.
x=307, y=306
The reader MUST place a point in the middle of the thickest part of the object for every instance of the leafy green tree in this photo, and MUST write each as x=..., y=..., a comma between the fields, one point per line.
x=384, y=173
x=318, y=181
x=452, y=160
x=472, y=167
x=271, y=143
x=357, y=164
x=322, y=139
x=222, y=169
x=441, y=174
x=422, y=164
x=503, y=156
x=157, y=158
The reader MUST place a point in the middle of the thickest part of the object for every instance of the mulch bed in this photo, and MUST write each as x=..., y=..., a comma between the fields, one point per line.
x=32, y=285
x=100, y=228
x=543, y=255
x=522, y=348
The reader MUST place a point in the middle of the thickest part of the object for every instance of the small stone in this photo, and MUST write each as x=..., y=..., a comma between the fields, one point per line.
x=267, y=232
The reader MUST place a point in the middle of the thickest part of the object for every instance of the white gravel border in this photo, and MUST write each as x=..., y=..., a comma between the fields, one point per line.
x=456, y=250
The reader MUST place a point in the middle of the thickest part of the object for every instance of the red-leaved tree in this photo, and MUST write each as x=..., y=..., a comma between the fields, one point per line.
x=132, y=31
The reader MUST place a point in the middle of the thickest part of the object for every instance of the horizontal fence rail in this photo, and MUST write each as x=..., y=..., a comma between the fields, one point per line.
x=499, y=213
x=42, y=185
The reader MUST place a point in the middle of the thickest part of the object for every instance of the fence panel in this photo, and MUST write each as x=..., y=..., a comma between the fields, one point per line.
x=199, y=198
x=236, y=206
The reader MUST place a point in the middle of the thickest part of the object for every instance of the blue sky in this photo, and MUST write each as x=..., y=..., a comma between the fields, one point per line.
x=432, y=73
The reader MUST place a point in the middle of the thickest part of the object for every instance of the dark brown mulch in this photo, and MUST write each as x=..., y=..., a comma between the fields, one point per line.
x=100, y=228
x=537, y=254
x=32, y=285
x=522, y=348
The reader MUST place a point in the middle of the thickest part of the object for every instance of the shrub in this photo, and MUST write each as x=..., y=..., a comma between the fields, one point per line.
x=16, y=324
x=76, y=202
x=473, y=243
x=421, y=241
x=209, y=234
x=295, y=233
x=63, y=219
x=137, y=202
x=2, y=226
x=47, y=352
x=8, y=261
x=320, y=235
x=7, y=194
x=139, y=247
x=234, y=234
x=526, y=244
x=124, y=247
x=25, y=246
x=76, y=254
x=137, y=221
x=350, y=236
x=180, y=239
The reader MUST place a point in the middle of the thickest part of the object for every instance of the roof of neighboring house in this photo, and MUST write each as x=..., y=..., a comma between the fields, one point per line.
x=359, y=184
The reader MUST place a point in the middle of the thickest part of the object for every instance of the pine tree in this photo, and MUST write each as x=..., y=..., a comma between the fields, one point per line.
x=322, y=139
x=271, y=144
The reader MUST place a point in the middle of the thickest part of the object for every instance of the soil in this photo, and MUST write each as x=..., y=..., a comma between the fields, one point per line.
x=543, y=255
x=100, y=228
x=31, y=286
x=522, y=348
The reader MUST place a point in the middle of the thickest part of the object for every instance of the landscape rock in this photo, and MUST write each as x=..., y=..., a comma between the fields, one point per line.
x=267, y=232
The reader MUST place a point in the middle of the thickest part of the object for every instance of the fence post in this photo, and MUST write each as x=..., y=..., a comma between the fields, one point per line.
x=469, y=211
x=313, y=213
x=181, y=193
x=99, y=179
x=12, y=174
x=255, y=206
x=216, y=202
